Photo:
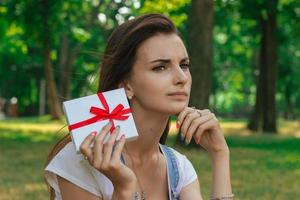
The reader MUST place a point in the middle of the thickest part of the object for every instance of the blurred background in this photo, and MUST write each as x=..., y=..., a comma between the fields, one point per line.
x=245, y=63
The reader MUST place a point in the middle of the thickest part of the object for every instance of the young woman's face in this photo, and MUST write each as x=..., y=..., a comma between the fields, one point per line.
x=160, y=78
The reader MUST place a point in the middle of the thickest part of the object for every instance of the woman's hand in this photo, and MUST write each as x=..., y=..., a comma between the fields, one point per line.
x=204, y=127
x=106, y=160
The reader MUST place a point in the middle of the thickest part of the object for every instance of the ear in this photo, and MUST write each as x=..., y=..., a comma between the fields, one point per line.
x=127, y=87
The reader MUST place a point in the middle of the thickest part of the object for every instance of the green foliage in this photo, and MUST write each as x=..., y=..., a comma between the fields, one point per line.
x=175, y=9
x=21, y=36
x=236, y=46
x=236, y=42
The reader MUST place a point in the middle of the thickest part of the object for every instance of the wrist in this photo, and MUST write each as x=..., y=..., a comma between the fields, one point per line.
x=123, y=194
x=221, y=183
x=124, y=191
x=223, y=154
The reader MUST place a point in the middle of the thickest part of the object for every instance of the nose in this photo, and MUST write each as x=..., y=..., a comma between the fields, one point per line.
x=180, y=76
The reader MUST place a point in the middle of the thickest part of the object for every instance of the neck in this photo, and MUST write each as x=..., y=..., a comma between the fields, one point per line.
x=150, y=126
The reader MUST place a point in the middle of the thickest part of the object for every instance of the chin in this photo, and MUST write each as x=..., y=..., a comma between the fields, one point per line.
x=176, y=108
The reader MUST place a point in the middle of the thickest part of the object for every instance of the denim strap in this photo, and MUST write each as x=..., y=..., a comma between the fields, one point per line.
x=173, y=173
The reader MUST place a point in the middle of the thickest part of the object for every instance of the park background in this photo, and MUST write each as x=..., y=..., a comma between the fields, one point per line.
x=245, y=67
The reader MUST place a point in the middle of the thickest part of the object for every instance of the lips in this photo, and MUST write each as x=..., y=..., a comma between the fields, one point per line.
x=178, y=94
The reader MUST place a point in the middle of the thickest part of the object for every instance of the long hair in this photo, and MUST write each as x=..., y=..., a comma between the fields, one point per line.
x=118, y=59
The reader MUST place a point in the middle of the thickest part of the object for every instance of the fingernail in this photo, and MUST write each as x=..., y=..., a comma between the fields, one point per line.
x=113, y=130
x=198, y=141
x=94, y=133
x=123, y=136
x=177, y=124
x=186, y=143
x=181, y=137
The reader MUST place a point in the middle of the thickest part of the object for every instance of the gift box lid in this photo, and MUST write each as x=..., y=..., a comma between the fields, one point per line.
x=90, y=113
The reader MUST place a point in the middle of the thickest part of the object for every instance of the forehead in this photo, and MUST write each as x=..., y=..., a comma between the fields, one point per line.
x=169, y=46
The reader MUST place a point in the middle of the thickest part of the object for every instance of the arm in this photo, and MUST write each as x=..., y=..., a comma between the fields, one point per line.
x=70, y=191
x=101, y=156
x=221, y=184
x=191, y=191
x=204, y=127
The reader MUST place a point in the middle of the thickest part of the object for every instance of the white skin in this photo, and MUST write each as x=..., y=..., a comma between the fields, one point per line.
x=160, y=68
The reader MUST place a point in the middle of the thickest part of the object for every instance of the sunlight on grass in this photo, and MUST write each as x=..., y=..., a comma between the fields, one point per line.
x=285, y=128
x=263, y=166
x=44, y=125
x=41, y=125
x=26, y=127
x=34, y=187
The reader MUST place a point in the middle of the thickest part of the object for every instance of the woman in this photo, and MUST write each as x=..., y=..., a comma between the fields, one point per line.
x=147, y=57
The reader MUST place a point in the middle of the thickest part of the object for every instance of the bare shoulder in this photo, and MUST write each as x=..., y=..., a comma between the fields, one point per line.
x=70, y=191
x=191, y=191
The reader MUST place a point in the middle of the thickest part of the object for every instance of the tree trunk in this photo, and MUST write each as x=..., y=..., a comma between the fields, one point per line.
x=200, y=28
x=266, y=85
x=256, y=117
x=200, y=50
x=53, y=101
x=288, y=112
x=72, y=52
x=63, y=57
x=68, y=71
x=269, y=67
x=42, y=97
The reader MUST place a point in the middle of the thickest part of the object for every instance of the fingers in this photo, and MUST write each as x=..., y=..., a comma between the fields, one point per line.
x=85, y=147
x=98, y=146
x=190, y=116
x=202, y=128
x=195, y=124
x=101, y=154
x=205, y=112
x=182, y=115
x=118, y=149
x=188, y=110
x=108, y=147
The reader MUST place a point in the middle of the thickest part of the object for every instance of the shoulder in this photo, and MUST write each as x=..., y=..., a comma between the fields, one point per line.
x=180, y=158
x=74, y=168
x=187, y=173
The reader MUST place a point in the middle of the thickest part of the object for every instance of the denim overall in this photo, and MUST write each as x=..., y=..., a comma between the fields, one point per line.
x=173, y=173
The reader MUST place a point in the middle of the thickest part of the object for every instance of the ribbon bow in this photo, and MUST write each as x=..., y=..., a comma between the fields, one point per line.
x=118, y=113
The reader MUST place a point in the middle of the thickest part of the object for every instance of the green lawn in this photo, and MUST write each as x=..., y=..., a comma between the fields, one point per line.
x=263, y=167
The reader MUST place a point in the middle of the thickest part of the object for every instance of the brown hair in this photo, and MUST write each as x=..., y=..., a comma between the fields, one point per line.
x=119, y=57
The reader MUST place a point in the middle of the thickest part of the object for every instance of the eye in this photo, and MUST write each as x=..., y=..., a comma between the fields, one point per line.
x=159, y=68
x=185, y=65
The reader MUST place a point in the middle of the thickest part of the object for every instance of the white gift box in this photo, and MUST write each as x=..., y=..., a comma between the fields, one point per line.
x=88, y=114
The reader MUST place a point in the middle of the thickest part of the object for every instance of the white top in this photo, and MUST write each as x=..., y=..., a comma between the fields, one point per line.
x=74, y=168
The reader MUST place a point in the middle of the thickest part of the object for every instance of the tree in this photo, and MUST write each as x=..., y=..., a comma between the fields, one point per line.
x=53, y=101
x=69, y=53
x=265, y=107
x=200, y=26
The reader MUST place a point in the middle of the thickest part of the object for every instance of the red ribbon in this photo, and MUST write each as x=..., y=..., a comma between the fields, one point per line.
x=118, y=113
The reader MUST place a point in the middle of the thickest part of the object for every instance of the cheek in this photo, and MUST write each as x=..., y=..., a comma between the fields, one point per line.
x=190, y=79
x=151, y=87
x=151, y=91
x=189, y=82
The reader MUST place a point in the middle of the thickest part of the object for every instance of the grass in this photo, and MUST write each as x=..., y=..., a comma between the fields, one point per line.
x=262, y=166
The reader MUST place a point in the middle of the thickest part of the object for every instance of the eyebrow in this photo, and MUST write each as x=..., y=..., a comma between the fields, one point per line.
x=168, y=60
